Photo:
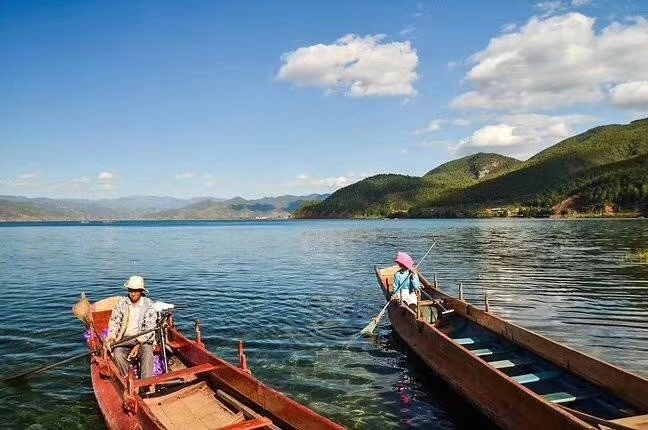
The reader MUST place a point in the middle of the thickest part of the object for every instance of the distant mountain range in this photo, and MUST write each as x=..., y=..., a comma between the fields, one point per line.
x=603, y=171
x=17, y=208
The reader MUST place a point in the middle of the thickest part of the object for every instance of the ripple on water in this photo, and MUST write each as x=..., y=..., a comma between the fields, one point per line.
x=298, y=293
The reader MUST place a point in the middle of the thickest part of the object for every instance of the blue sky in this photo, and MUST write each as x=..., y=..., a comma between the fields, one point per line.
x=265, y=98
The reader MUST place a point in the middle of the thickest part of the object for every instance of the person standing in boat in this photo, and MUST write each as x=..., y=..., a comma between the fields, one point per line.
x=133, y=314
x=406, y=280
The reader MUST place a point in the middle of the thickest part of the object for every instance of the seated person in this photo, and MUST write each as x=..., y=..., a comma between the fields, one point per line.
x=406, y=280
x=133, y=314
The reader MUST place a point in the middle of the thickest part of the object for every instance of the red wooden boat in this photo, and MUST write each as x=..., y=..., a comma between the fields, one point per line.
x=197, y=390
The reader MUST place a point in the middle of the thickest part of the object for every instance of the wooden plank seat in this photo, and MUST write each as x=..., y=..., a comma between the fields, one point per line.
x=476, y=343
x=564, y=397
x=528, y=378
x=511, y=362
x=246, y=411
x=481, y=352
x=426, y=302
x=187, y=374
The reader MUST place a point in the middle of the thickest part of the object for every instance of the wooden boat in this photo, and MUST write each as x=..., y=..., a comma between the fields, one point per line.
x=197, y=390
x=519, y=379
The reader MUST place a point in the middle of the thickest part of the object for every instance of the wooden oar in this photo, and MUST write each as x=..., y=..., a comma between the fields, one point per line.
x=69, y=359
x=369, y=328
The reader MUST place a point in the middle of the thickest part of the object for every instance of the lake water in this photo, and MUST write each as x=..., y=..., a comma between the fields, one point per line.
x=298, y=293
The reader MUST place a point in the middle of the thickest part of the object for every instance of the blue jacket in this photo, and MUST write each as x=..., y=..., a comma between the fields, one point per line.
x=406, y=282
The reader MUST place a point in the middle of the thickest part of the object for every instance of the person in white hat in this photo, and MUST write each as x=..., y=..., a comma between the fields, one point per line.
x=133, y=314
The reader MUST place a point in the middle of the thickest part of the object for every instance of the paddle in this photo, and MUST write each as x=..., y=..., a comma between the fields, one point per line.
x=374, y=322
x=69, y=359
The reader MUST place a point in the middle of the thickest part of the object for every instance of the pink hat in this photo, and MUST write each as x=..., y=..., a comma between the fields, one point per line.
x=404, y=259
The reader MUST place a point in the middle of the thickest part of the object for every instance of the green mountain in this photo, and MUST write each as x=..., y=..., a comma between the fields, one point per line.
x=396, y=195
x=601, y=168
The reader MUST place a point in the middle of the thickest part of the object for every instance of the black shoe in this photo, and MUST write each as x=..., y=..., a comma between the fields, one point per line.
x=146, y=392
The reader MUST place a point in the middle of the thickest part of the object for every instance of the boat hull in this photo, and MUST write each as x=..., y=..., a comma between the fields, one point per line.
x=494, y=396
x=513, y=400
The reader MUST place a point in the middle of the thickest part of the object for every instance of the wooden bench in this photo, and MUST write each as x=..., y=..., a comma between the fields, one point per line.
x=250, y=413
x=512, y=362
x=186, y=374
x=464, y=341
x=564, y=397
x=528, y=378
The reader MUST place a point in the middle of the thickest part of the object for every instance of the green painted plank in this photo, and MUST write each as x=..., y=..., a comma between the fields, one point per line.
x=480, y=352
x=535, y=377
x=563, y=397
x=559, y=397
x=503, y=364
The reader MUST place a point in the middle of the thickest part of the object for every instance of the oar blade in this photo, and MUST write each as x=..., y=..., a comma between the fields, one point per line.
x=374, y=322
x=369, y=327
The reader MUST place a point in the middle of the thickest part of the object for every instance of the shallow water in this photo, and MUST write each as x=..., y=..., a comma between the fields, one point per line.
x=298, y=293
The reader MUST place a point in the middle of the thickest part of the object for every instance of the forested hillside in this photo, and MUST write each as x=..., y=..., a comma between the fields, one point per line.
x=602, y=170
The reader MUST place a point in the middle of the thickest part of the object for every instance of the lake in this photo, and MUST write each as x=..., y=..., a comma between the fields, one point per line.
x=298, y=293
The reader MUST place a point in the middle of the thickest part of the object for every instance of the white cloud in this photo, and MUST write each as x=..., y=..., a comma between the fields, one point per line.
x=438, y=124
x=407, y=30
x=630, y=94
x=496, y=136
x=77, y=185
x=434, y=125
x=579, y=3
x=48, y=186
x=358, y=66
x=555, y=62
x=106, y=181
x=26, y=177
x=520, y=136
x=105, y=177
x=209, y=181
x=331, y=183
x=185, y=175
x=21, y=181
x=549, y=7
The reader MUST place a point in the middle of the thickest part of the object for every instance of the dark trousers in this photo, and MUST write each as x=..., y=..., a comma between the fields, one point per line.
x=145, y=357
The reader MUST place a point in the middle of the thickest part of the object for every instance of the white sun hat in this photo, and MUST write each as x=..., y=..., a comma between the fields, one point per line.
x=135, y=282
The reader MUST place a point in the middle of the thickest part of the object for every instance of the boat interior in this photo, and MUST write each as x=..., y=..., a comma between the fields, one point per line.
x=548, y=380
x=181, y=395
